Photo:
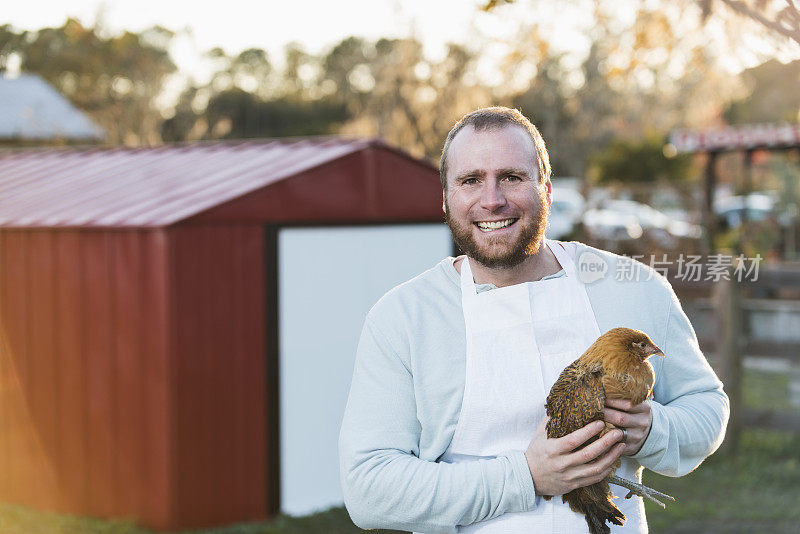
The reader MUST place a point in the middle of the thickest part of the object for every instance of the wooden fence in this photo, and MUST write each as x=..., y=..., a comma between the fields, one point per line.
x=729, y=335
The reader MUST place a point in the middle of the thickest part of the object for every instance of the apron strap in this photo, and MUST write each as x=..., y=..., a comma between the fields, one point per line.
x=564, y=258
x=467, y=282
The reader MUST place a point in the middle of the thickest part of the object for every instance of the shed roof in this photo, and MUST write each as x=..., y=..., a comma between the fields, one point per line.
x=301, y=181
x=30, y=109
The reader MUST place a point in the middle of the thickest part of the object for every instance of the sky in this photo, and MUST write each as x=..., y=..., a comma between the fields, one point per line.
x=270, y=24
x=235, y=25
x=316, y=24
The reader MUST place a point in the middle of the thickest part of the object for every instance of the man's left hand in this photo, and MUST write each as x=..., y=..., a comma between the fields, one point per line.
x=635, y=420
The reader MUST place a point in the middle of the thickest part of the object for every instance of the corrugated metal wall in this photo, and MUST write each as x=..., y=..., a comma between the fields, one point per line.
x=139, y=366
x=221, y=425
x=84, y=404
x=133, y=372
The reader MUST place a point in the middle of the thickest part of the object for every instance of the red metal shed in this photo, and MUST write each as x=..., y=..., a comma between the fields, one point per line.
x=138, y=322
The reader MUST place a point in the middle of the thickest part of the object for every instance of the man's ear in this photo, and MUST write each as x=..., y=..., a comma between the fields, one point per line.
x=444, y=202
x=548, y=185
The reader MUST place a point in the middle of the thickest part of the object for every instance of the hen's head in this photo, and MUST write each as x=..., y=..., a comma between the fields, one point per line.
x=633, y=342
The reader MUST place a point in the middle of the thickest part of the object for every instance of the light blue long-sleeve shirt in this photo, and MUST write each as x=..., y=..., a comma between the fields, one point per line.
x=408, y=384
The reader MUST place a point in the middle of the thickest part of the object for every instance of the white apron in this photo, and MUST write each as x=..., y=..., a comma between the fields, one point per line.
x=519, y=339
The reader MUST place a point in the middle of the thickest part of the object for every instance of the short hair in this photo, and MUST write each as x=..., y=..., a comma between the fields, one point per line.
x=497, y=117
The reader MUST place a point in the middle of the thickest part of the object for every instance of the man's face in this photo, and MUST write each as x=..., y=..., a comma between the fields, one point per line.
x=496, y=206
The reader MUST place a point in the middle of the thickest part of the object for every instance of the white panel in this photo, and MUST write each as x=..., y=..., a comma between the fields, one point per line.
x=328, y=280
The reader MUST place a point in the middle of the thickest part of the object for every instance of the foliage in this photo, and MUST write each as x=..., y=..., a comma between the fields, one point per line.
x=651, y=75
x=638, y=160
x=385, y=88
x=773, y=94
x=394, y=92
x=634, y=79
x=247, y=97
x=237, y=114
x=780, y=17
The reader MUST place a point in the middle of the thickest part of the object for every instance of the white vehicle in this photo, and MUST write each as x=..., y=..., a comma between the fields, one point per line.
x=651, y=219
x=611, y=225
x=626, y=220
x=565, y=212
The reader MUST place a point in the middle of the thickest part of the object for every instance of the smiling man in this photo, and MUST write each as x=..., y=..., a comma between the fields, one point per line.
x=444, y=426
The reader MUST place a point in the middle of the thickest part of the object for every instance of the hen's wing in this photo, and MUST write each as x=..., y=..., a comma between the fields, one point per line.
x=575, y=400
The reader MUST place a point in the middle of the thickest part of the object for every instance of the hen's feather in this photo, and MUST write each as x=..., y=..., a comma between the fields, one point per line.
x=576, y=399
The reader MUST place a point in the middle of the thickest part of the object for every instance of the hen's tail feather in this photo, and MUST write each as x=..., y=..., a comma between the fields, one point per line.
x=594, y=502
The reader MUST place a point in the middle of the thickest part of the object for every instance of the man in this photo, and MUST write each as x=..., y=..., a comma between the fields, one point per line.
x=444, y=426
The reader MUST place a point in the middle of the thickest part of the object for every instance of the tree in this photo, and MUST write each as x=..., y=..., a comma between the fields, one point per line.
x=394, y=92
x=634, y=79
x=247, y=98
x=237, y=114
x=639, y=160
x=779, y=17
x=773, y=97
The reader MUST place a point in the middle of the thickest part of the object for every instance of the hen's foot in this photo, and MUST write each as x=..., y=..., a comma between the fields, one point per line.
x=634, y=488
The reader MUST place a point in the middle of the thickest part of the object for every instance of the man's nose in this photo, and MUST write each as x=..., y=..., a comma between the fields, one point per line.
x=492, y=197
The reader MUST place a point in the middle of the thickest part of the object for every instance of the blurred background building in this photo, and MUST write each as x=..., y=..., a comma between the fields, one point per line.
x=33, y=113
x=179, y=324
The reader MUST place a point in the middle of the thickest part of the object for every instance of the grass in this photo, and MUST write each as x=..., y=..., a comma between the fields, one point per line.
x=766, y=390
x=757, y=489
x=22, y=520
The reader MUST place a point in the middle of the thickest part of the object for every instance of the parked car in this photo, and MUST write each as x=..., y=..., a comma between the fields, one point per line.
x=732, y=210
x=565, y=212
x=651, y=219
x=624, y=220
x=608, y=225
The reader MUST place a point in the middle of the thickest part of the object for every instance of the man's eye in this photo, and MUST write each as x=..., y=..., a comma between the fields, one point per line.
x=470, y=181
x=513, y=178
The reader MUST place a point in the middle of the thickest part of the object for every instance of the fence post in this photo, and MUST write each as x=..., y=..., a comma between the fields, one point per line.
x=727, y=299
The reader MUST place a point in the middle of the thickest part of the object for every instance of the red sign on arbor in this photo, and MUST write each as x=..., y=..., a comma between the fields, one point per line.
x=739, y=137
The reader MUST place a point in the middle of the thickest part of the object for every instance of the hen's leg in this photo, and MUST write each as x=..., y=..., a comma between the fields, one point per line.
x=634, y=488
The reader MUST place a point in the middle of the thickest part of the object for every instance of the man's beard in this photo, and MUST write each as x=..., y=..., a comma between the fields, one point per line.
x=530, y=239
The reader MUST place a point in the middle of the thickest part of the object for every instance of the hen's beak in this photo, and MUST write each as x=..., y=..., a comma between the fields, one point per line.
x=656, y=351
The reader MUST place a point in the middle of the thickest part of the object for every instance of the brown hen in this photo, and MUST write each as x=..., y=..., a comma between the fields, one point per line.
x=614, y=367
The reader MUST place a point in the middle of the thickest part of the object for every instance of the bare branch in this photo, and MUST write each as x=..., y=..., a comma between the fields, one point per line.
x=786, y=23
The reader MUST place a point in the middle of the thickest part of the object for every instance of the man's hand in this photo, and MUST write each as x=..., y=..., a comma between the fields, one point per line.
x=636, y=420
x=556, y=467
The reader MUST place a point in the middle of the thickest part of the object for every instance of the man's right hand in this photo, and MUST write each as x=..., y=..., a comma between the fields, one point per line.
x=557, y=468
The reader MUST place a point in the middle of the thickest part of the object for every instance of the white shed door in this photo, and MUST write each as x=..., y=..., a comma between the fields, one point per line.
x=329, y=278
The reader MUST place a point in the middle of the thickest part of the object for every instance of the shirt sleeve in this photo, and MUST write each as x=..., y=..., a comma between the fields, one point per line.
x=385, y=482
x=690, y=409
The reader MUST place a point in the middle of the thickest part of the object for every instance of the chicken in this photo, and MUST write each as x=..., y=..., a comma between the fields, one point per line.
x=614, y=366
